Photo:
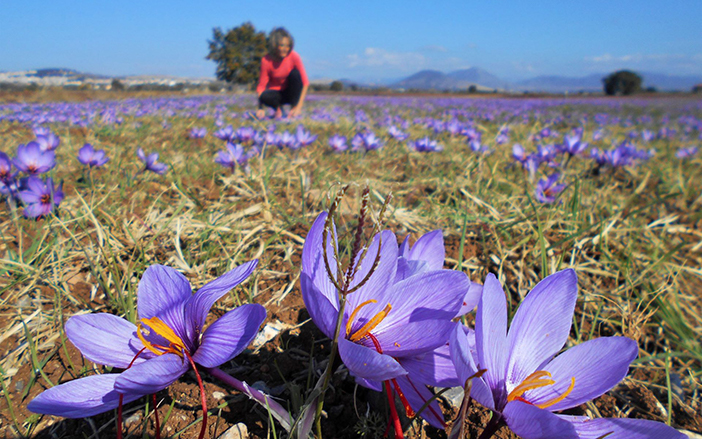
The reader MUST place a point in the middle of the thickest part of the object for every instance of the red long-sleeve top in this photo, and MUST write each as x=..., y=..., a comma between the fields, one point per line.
x=274, y=74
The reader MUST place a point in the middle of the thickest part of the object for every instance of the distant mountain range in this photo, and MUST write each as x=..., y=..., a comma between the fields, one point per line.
x=482, y=79
x=423, y=80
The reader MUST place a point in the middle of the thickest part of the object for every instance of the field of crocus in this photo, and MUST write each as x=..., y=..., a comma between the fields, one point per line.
x=174, y=267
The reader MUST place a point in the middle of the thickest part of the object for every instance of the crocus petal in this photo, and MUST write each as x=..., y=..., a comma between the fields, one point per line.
x=433, y=368
x=531, y=422
x=471, y=299
x=80, y=398
x=541, y=325
x=613, y=428
x=313, y=263
x=463, y=355
x=367, y=363
x=106, y=339
x=378, y=286
x=35, y=210
x=199, y=305
x=430, y=249
x=491, y=333
x=417, y=395
x=160, y=288
x=422, y=309
x=153, y=375
x=369, y=384
x=322, y=312
x=229, y=335
x=597, y=366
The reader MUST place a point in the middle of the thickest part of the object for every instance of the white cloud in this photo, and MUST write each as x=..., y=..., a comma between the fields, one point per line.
x=674, y=60
x=376, y=57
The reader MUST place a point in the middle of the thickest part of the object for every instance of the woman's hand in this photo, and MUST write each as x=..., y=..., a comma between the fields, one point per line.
x=260, y=113
x=295, y=111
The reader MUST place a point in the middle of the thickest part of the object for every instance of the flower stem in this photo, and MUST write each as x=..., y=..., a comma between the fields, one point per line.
x=330, y=365
x=492, y=427
x=158, y=426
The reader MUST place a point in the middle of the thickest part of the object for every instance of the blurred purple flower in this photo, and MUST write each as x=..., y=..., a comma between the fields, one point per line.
x=198, y=132
x=425, y=145
x=32, y=160
x=39, y=197
x=159, y=348
x=397, y=134
x=547, y=190
x=232, y=156
x=523, y=383
x=226, y=134
x=89, y=156
x=151, y=162
x=48, y=142
x=686, y=153
x=303, y=136
x=338, y=143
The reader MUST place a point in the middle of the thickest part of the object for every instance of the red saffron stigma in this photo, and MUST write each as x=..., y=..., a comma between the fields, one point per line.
x=121, y=398
x=203, y=399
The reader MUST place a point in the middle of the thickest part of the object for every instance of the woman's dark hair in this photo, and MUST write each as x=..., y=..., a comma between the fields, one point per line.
x=276, y=36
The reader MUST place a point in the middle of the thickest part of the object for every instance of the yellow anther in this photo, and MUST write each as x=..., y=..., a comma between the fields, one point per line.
x=533, y=381
x=353, y=315
x=176, y=344
x=371, y=324
x=558, y=399
x=537, y=380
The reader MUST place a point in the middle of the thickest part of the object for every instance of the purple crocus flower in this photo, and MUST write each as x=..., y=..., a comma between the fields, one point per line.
x=434, y=368
x=198, y=132
x=573, y=145
x=89, y=156
x=232, y=156
x=226, y=133
x=169, y=334
x=6, y=173
x=384, y=321
x=686, y=153
x=338, y=143
x=397, y=134
x=523, y=383
x=478, y=147
x=304, y=137
x=288, y=140
x=245, y=134
x=151, y=162
x=32, y=160
x=548, y=189
x=370, y=141
x=39, y=197
x=48, y=142
x=425, y=145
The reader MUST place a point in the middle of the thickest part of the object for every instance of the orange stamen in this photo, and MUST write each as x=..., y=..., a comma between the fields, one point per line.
x=353, y=315
x=371, y=324
x=534, y=381
x=176, y=345
x=558, y=399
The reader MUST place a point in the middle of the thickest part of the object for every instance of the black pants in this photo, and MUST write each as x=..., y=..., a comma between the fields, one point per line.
x=289, y=95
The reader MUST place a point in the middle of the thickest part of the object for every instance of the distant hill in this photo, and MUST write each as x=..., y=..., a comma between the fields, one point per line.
x=484, y=80
x=477, y=76
x=460, y=79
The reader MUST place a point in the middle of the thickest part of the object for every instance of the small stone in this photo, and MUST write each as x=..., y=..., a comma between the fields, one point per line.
x=135, y=418
x=238, y=431
x=455, y=396
x=218, y=395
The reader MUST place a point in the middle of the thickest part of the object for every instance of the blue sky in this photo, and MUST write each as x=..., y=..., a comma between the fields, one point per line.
x=362, y=40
